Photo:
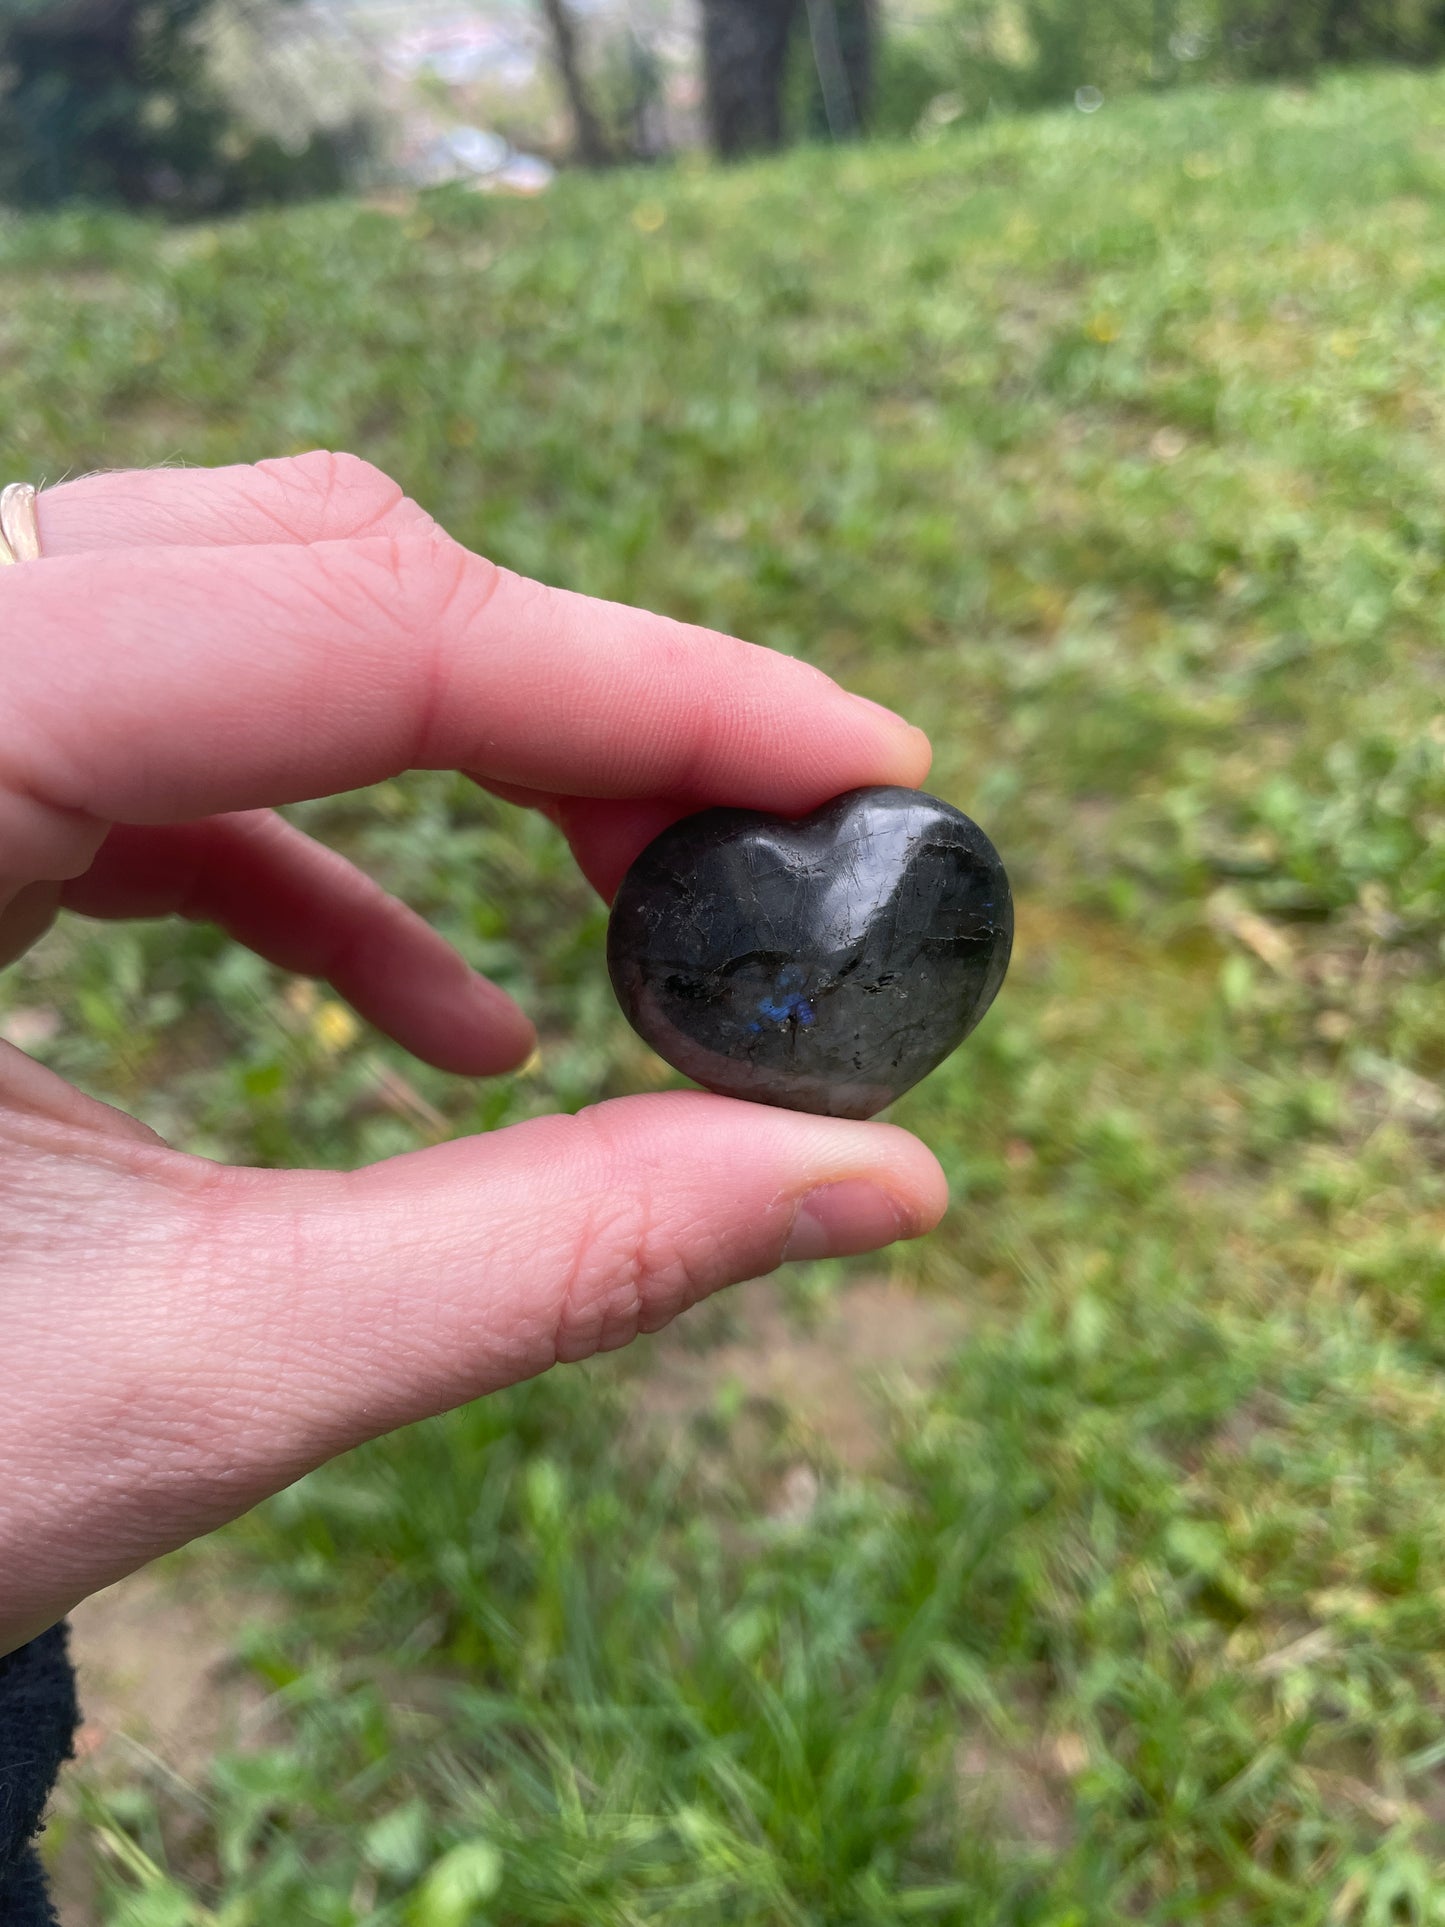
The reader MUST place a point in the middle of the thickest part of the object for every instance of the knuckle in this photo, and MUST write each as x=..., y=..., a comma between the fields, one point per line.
x=328, y=495
x=632, y=1264
x=599, y=1300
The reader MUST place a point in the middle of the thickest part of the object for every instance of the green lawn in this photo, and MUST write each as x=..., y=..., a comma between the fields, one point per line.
x=1112, y=449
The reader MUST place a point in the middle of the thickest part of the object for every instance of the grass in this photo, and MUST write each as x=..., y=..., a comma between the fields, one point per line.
x=1111, y=448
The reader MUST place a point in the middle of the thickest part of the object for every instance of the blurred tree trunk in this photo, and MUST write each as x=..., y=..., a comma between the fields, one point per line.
x=745, y=51
x=1162, y=64
x=858, y=38
x=844, y=38
x=1342, y=30
x=593, y=146
x=646, y=112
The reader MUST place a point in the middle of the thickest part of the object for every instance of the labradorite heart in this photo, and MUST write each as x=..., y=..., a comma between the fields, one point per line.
x=824, y=964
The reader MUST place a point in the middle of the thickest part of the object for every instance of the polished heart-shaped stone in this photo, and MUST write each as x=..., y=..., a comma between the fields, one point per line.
x=824, y=963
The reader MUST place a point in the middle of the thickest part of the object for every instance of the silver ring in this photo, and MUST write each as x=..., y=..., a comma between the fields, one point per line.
x=19, y=531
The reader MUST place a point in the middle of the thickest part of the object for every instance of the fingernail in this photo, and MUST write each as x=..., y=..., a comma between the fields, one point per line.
x=922, y=749
x=840, y=1219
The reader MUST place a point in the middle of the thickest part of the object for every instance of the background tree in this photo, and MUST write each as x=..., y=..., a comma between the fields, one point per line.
x=843, y=38
x=745, y=53
x=594, y=149
x=748, y=47
x=111, y=100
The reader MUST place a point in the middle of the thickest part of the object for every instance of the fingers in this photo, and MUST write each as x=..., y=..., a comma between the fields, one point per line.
x=306, y=909
x=305, y=627
x=318, y=497
x=240, y=1327
x=255, y=675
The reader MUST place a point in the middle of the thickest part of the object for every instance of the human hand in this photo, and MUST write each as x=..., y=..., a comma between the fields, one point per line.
x=179, y=1339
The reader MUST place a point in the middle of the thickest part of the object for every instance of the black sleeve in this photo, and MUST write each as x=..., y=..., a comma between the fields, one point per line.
x=38, y=1717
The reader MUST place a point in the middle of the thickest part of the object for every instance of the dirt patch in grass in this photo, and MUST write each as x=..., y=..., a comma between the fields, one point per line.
x=819, y=1374
x=158, y=1673
x=162, y=1692
x=1022, y=1793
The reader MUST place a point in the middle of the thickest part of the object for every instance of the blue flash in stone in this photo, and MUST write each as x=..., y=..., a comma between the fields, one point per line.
x=797, y=1007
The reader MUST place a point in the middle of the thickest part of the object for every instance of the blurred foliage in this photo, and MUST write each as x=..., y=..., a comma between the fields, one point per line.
x=970, y=58
x=112, y=100
x=1111, y=447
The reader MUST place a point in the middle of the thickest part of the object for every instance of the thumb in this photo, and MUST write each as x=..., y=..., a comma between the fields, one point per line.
x=407, y=1288
x=232, y=1329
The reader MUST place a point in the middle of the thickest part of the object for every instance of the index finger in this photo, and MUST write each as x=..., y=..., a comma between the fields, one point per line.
x=159, y=685
x=322, y=496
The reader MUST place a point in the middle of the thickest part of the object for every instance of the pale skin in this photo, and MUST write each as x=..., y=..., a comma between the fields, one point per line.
x=179, y=1339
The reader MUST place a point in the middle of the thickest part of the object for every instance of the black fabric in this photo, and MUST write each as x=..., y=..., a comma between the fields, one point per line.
x=38, y=1717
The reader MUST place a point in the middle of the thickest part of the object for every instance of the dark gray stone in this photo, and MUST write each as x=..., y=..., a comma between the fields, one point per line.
x=824, y=964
